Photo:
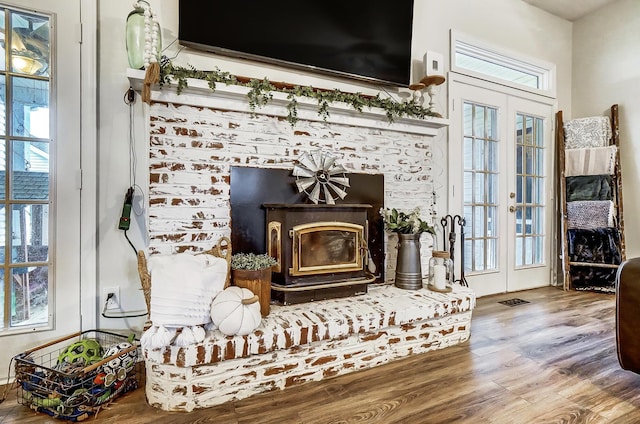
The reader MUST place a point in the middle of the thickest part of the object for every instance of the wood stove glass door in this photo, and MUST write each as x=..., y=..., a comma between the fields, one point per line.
x=322, y=248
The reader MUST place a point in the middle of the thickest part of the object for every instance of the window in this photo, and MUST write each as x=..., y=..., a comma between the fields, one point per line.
x=513, y=69
x=24, y=169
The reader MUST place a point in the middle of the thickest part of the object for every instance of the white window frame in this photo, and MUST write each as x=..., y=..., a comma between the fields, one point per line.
x=470, y=46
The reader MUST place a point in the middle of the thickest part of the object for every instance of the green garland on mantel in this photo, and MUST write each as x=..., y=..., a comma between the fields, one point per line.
x=261, y=93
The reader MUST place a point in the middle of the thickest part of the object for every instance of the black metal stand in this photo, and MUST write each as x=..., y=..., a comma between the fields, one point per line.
x=451, y=221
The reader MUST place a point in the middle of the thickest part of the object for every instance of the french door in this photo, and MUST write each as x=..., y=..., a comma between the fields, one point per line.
x=502, y=185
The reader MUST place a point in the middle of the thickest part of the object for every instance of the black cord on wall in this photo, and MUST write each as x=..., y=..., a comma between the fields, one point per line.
x=120, y=315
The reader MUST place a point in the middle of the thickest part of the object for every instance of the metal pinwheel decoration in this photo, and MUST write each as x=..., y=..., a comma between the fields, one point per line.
x=320, y=177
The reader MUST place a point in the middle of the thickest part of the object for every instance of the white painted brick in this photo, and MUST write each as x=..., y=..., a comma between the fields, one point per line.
x=399, y=323
x=202, y=139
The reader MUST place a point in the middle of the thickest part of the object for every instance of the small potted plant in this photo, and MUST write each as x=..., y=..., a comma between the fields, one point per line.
x=253, y=271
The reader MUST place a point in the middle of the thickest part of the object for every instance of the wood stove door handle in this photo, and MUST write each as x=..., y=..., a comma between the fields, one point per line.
x=274, y=244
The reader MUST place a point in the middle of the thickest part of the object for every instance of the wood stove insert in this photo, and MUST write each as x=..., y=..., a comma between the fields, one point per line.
x=322, y=251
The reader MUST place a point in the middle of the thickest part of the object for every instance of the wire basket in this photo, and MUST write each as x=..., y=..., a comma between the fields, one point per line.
x=72, y=377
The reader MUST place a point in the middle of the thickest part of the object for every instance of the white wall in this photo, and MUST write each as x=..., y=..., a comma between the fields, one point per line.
x=510, y=24
x=116, y=260
x=607, y=71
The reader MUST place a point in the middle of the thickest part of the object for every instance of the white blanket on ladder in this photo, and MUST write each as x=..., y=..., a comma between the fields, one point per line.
x=590, y=161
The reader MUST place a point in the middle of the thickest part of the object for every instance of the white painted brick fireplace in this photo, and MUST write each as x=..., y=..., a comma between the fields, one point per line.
x=195, y=138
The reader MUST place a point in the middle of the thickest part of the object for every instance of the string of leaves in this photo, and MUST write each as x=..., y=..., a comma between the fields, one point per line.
x=261, y=93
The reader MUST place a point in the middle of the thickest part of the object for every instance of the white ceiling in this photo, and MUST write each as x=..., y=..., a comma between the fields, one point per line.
x=570, y=10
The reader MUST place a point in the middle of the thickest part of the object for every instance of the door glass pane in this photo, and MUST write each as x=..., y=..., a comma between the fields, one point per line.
x=528, y=139
x=481, y=187
x=529, y=183
x=492, y=124
x=492, y=189
x=492, y=156
x=528, y=190
x=478, y=155
x=540, y=189
x=538, y=249
x=468, y=157
x=539, y=134
x=519, y=222
x=528, y=251
x=479, y=255
x=519, y=249
x=468, y=188
x=478, y=122
x=478, y=222
x=519, y=129
x=492, y=221
x=3, y=107
x=539, y=162
x=467, y=112
x=468, y=217
x=492, y=258
x=3, y=40
x=528, y=160
x=538, y=220
x=468, y=259
x=2, y=298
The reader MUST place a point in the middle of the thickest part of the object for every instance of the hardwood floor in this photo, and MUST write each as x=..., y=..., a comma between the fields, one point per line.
x=552, y=360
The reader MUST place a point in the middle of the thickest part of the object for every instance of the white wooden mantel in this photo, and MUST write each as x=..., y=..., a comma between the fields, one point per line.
x=234, y=97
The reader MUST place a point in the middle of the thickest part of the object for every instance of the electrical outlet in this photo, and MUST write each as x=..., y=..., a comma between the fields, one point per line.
x=114, y=302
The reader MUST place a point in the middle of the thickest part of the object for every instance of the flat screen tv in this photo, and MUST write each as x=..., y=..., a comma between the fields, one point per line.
x=368, y=40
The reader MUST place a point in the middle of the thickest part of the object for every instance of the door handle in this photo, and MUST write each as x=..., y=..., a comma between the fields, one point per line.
x=512, y=209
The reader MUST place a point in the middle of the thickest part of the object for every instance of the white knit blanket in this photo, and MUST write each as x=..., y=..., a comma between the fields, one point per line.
x=594, y=131
x=183, y=287
x=590, y=161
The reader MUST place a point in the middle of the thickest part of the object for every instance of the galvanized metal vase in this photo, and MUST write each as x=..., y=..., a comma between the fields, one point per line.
x=408, y=267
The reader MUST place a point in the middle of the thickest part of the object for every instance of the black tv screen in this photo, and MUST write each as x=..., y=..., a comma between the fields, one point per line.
x=364, y=39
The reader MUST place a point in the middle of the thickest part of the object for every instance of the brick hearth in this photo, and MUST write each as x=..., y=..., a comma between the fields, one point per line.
x=296, y=344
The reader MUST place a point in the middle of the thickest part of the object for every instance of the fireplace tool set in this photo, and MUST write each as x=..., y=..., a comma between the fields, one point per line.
x=449, y=223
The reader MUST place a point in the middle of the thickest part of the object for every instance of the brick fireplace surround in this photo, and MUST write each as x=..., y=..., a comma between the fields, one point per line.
x=195, y=138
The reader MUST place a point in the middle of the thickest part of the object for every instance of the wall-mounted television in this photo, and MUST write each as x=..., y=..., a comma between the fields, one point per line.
x=368, y=40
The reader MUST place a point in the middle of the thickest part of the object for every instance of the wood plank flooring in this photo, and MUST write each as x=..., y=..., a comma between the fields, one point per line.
x=552, y=360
